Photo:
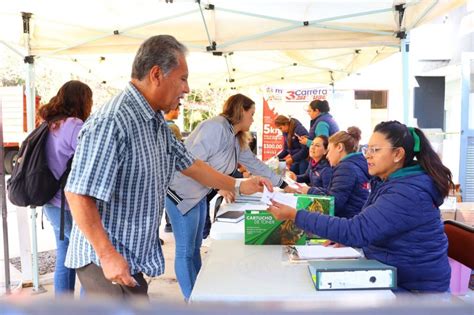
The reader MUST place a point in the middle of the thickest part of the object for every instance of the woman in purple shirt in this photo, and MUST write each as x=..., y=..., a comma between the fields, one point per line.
x=65, y=114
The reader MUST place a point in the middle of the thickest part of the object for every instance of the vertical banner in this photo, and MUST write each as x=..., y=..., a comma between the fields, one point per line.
x=272, y=142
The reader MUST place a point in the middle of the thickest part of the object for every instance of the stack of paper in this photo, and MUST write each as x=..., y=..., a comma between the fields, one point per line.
x=326, y=252
x=254, y=198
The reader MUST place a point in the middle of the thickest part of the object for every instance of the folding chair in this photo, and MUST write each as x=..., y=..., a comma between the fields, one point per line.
x=461, y=242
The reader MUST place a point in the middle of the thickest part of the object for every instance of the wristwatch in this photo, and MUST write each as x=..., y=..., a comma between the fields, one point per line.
x=238, y=181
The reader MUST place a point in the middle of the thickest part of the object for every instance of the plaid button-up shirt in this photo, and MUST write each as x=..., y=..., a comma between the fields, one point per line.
x=125, y=159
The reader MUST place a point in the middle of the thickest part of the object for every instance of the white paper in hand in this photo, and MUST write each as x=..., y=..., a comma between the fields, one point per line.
x=293, y=184
x=286, y=199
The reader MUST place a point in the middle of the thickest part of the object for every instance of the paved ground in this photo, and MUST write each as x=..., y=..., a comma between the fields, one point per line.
x=163, y=288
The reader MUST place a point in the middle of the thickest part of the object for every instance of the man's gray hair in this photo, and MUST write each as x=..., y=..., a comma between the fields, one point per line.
x=160, y=50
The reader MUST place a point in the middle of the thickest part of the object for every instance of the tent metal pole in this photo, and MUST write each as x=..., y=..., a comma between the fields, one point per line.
x=166, y=18
x=260, y=35
x=267, y=17
x=205, y=24
x=348, y=16
x=405, y=46
x=30, y=92
x=119, y=32
x=351, y=29
x=30, y=112
x=16, y=51
x=226, y=57
x=36, y=286
x=311, y=22
x=334, y=56
x=143, y=38
x=422, y=15
x=297, y=24
x=54, y=52
x=6, y=254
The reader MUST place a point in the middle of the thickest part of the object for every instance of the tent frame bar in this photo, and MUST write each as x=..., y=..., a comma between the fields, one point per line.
x=211, y=46
x=293, y=25
x=298, y=24
x=13, y=49
x=351, y=29
x=259, y=35
x=423, y=14
x=119, y=32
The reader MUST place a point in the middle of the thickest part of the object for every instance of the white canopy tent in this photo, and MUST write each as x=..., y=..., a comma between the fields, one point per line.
x=232, y=43
x=118, y=26
x=240, y=43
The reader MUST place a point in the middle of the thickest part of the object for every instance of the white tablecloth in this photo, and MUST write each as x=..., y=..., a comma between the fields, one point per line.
x=233, y=271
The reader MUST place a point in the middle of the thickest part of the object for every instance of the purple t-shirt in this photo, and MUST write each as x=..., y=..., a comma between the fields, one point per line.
x=60, y=147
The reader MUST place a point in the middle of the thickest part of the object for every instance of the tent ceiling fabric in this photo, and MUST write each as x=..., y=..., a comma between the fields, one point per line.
x=265, y=37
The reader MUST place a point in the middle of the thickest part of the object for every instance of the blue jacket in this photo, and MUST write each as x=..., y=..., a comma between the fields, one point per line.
x=325, y=118
x=400, y=226
x=317, y=175
x=297, y=151
x=349, y=185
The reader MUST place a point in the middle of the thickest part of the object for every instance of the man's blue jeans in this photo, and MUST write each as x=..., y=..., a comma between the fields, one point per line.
x=187, y=230
x=64, y=278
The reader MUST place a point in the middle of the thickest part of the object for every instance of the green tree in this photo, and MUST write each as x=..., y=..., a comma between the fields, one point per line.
x=201, y=104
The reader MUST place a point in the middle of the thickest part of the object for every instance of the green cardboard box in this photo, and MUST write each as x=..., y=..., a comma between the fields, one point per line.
x=261, y=228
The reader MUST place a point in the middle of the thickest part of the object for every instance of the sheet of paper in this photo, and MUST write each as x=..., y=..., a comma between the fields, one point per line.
x=293, y=184
x=329, y=252
x=284, y=198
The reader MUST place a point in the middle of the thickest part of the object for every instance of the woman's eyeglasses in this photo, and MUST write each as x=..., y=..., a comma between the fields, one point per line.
x=373, y=150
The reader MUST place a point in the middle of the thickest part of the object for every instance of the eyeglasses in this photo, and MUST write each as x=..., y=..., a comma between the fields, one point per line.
x=373, y=150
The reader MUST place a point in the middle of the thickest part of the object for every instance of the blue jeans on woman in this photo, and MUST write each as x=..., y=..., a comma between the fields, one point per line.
x=187, y=230
x=64, y=278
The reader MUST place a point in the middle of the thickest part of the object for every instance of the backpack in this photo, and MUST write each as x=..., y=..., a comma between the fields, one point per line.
x=32, y=183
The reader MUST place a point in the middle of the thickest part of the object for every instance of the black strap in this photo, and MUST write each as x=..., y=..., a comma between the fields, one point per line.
x=62, y=184
x=61, y=225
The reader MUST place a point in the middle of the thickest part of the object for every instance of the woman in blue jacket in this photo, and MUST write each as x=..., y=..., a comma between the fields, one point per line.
x=400, y=224
x=350, y=178
x=322, y=123
x=319, y=171
x=294, y=153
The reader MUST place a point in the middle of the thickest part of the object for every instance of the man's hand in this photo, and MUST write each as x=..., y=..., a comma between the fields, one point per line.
x=281, y=211
x=229, y=196
x=255, y=184
x=86, y=215
x=289, y=161
x=303, y=139
x=116, y=269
